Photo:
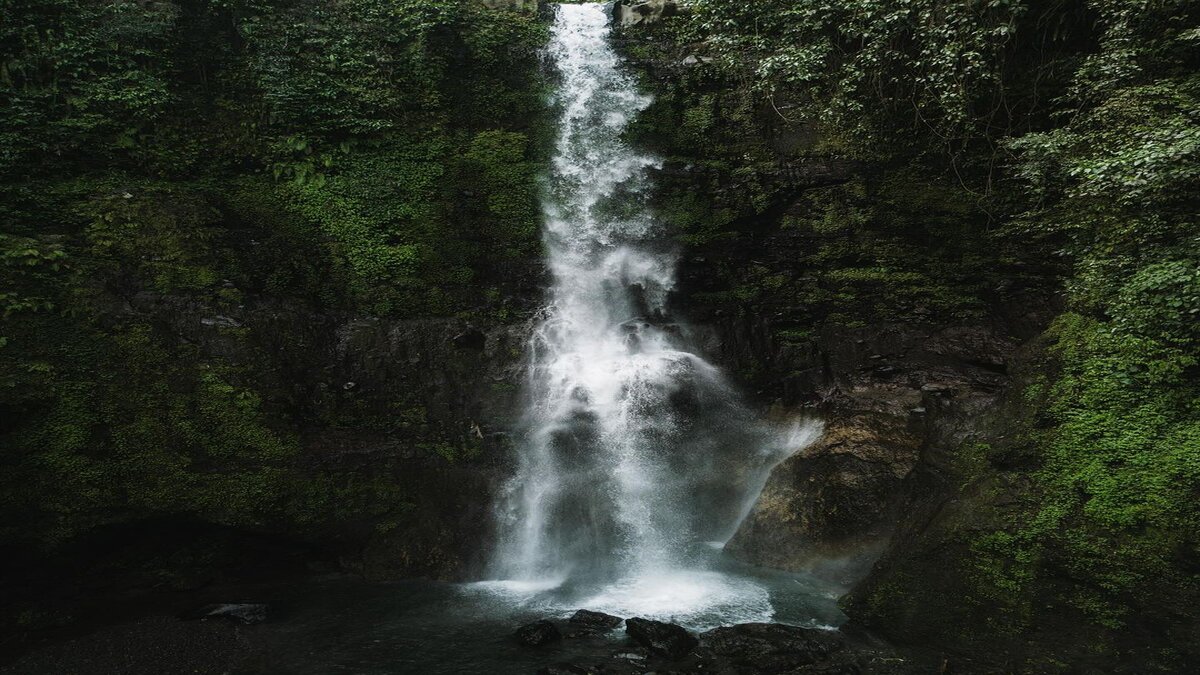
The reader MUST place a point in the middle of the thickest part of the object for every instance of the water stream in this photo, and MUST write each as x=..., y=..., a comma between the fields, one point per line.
x=638, y=459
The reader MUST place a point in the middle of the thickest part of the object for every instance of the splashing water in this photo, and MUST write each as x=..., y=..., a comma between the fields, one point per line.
x=637, y=454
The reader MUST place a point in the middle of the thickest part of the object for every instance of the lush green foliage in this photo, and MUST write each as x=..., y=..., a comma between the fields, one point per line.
x=165, y=159
x=387, y=98
x=165, y=165
x=1014, y=136
x=902, y=241
x=871, y=66
x=1117, y=189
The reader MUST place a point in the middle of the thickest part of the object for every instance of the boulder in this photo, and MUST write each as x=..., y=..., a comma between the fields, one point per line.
x=538, y=633
x=245, y=613
x=594, y=621
x=569, y=669
x=769, y=647
x=642, y=12
x=829, y=508
x=662, y=639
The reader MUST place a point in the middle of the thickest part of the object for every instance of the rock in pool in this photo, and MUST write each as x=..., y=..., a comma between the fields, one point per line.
x=662, y=639
x=246, y=612
x=538, y=633
x=594, y=621
x=770, y=647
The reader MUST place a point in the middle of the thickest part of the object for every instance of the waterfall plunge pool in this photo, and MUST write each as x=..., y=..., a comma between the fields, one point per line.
x=346, y=626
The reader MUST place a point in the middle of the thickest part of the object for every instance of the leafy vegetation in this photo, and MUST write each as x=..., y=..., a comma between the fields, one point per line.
x=166, y=166
x=1011, y=144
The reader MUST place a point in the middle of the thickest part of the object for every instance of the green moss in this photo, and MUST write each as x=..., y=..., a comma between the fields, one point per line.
x=165, y=166
x=1078, y=506
x=794, y=336
x=1120, y=462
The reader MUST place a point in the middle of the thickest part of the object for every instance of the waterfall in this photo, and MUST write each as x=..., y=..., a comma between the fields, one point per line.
x=636, y=454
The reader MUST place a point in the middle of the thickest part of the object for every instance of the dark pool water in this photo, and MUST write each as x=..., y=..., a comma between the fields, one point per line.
x=347, y=625
x=344, y=626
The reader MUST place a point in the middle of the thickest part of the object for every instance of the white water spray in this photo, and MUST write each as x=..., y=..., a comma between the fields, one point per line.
x=636, y=453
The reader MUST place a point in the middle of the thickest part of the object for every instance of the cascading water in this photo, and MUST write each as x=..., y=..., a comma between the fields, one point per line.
x=636, y=454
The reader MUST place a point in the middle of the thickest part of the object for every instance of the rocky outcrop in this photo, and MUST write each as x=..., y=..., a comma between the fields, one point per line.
x=420, y=408
x=537, y=634
x=831, y=506
x=593, y=622
x=400, y=427
x=769, y=647
x=659, y=638
x=748, y=649
x=643, y=13
x=243, y=613
x=891, y=392
x=444, y=395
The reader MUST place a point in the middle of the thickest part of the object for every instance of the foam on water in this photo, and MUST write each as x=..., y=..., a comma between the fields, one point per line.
x=699, y=599
x=517, y=589
x=696, y=598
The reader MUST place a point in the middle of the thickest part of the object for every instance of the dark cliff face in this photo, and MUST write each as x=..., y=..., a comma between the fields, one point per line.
x=881, y=291
x=397, y=435
x=865, y=290
x=891, y=391
x=263, y=304
x=421, y=408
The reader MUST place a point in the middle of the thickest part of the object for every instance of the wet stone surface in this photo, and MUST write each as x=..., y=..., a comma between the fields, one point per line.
x=538, y=633
x=659, y=638
x=586, y=622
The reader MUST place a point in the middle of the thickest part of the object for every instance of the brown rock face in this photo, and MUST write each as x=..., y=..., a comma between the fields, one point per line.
x=891, y=396
x=833, y=500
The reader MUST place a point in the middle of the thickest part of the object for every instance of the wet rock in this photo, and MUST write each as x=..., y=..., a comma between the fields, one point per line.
x=663, y=639
x=538, y=633
x=834, y=669
x=246, y=613
x=594, y=621
x=472, y=338
x=569, y=669
x=615, y=665
x=753, y=649
x=769, y=647
x=221, y=322
x=834, y=500
x=635, y=13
